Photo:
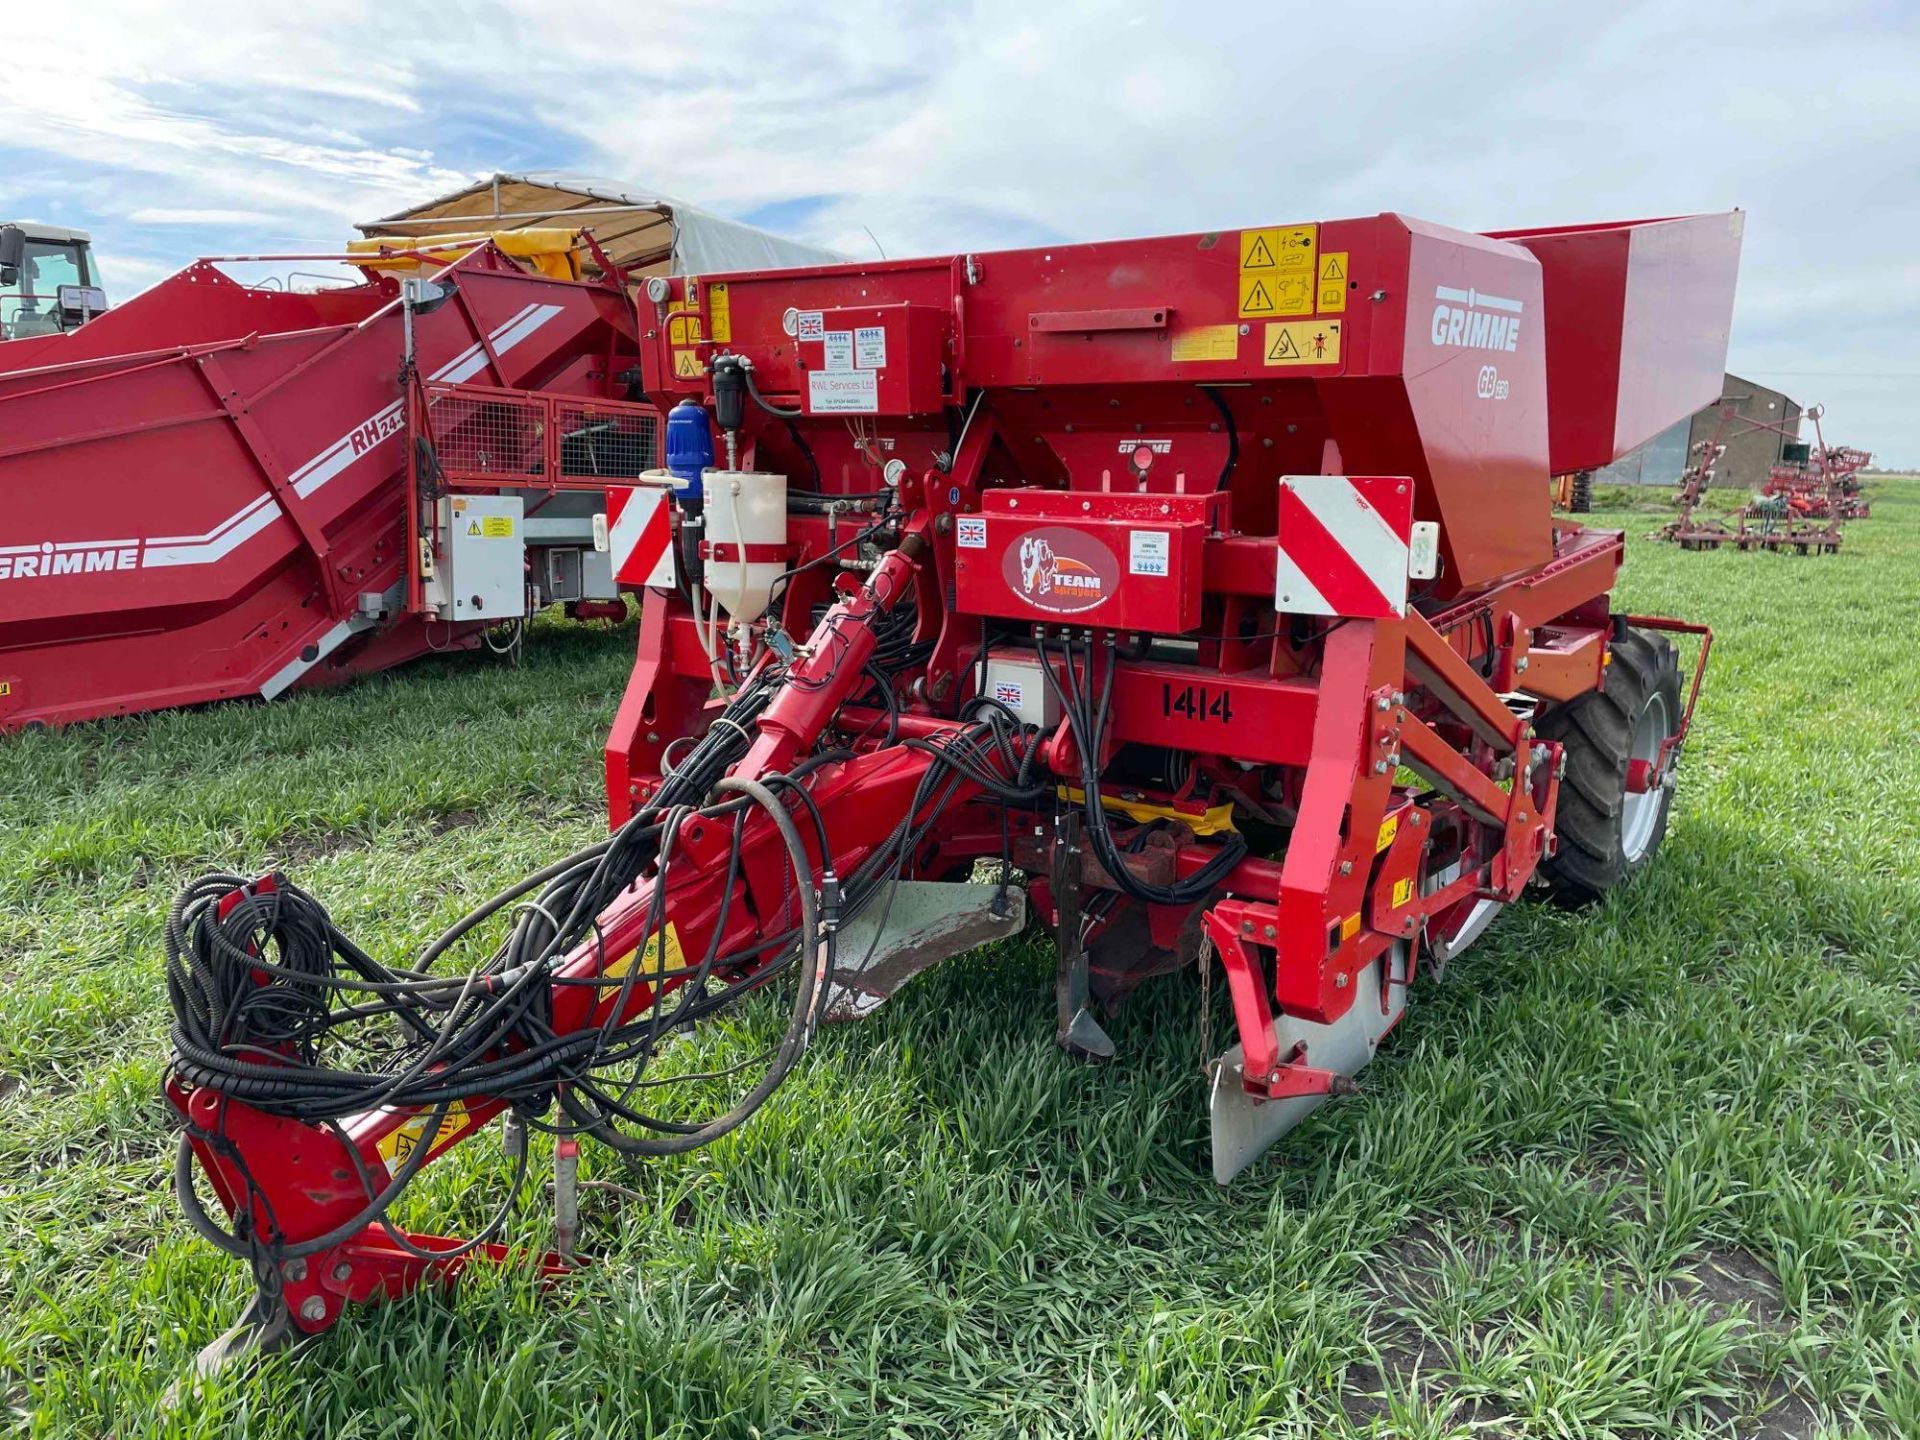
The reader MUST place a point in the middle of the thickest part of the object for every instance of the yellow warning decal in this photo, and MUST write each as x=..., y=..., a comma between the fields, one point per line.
x=1402, y=892
x=683, y=329
x=719, y=313
x=1207, y=342
x=686, y=365
x=1389, y=828
x=656, y=958
x=1276, y=294
x=473, y=528
x=395, y=1148
x=1333, y=282
x=1276, y=270
x=1349, y=927
x=6, y=687
x=1302, y=342
x=497, y=527
x=1281, y=249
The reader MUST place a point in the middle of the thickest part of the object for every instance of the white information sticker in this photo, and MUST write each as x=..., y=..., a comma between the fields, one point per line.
x=870, y=347
x=1147, y=552
x=809, y=325
x=839, y=349
x=972, y=534
x=843, y=392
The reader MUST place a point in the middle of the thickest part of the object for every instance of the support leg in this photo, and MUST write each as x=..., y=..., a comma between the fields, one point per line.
x=1078, y=1032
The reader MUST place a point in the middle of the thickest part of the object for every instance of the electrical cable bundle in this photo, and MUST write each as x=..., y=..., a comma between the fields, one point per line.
x=274, y=1006
x=1089, y=725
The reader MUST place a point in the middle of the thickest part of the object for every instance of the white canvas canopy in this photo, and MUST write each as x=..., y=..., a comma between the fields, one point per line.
x=644, y=232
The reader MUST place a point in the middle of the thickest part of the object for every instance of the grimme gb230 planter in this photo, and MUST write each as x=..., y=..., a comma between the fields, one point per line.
x=1207, y=581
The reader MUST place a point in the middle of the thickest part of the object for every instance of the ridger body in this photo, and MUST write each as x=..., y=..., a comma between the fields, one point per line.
x=1208, y=582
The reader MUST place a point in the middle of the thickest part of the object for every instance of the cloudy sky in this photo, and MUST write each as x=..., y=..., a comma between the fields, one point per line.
x=223, y=127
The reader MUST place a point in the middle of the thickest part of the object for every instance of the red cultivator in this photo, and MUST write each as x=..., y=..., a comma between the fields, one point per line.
x=1207, y=582
x=1801, y=508
x=1824, y=484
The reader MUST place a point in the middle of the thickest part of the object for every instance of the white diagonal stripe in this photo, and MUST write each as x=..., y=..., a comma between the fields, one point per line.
x=1294, y=593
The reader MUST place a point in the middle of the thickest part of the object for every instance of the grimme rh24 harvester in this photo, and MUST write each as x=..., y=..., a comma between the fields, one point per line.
x=1207, y=581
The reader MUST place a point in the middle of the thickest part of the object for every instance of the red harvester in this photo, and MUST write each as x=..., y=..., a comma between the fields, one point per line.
x=1208, y=582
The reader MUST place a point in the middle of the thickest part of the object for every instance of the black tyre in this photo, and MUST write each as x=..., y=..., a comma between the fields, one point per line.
x=1605, y=834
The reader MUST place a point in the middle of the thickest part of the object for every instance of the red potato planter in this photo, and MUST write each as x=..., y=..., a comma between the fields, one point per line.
x=1208, y=580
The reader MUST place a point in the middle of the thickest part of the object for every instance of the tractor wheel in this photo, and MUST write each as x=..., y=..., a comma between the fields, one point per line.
x=1605, y=832
x=1581, y=502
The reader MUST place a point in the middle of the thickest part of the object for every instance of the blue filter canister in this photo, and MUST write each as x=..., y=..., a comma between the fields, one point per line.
x=689, y=449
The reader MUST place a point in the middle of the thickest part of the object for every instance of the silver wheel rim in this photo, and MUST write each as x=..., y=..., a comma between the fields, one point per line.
x=1640, y=814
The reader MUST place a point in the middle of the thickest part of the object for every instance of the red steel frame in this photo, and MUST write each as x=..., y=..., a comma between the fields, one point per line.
x=1061, y=370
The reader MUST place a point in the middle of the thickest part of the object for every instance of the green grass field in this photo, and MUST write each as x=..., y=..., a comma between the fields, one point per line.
x=1653, y=1169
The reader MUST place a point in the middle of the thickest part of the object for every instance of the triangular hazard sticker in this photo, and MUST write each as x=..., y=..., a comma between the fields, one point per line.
x=1257, y=298
x=1259, y=257
x=1334, y=270
x=473, y=527
x=1284, y=348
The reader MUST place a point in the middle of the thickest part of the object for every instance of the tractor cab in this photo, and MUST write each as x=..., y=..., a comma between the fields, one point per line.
x=49, y=280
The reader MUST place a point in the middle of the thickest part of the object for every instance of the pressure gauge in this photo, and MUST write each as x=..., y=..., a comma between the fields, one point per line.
x=658, y=289
x=893, y=472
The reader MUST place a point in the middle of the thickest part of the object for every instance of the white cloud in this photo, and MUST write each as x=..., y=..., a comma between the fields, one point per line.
x=162, y=215
x=1006, y=122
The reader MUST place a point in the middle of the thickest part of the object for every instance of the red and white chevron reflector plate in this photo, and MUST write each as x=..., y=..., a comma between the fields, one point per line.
x=1344, y=545
x=640, y=535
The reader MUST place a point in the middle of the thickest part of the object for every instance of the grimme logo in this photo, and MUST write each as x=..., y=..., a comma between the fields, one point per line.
x=1061, y=570
x=1475, y=321
x=47, y=561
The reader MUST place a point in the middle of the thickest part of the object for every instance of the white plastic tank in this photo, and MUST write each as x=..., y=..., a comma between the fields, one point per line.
x=746, y=514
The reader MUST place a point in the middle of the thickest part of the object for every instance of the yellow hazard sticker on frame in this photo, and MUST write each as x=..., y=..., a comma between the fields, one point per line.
x=396, y=1147
x=1262, y=295
x=497, y=527
x=656, y=957
x=686, y=365
x=1207, y=342
x=1282, y=249
x=1389, y=828
x=1276, y=294
x=1402, y=892
x=1276, y=270
x=1333, y=282
x=683, y=329
x=1302, y=342
x=719, y=313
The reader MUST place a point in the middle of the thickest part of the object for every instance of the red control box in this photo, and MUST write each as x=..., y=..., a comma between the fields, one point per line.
x=872, y=359
x=1120, y=562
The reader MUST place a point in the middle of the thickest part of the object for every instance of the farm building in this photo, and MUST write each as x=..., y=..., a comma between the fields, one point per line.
x=1752, y=448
